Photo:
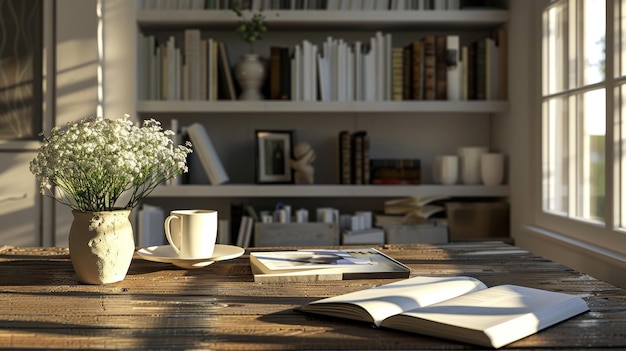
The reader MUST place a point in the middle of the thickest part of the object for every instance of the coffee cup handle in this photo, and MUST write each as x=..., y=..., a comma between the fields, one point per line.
x=168, y=233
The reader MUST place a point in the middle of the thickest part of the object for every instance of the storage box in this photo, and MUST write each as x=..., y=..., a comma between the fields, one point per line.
x=477, y=220
x=416, y=234
x=296, y=234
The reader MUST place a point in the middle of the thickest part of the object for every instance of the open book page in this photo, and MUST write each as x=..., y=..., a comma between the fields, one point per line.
x=376, y=304
x=492, y=317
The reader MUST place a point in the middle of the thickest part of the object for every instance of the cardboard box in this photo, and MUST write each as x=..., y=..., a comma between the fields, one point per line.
x=478, y=220
x=296, y=234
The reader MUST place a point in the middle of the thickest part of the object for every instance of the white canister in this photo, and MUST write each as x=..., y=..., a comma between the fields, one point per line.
x=470, y=163
x=492, y=168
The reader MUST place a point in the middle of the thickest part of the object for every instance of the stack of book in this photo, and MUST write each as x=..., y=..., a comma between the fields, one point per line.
x=395, y=171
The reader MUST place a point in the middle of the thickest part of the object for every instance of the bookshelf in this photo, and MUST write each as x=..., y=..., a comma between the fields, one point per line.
x=241, y=118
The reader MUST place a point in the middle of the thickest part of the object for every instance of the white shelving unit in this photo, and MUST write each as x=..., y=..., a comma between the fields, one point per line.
x=350, y=191
x=470, y=107
x=311, y=21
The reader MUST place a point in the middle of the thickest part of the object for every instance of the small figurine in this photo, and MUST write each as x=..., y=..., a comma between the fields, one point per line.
x=304, y=155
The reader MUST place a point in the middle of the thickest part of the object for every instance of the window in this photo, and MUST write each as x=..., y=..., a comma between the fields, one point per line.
x=20, y=69
x=583, y=97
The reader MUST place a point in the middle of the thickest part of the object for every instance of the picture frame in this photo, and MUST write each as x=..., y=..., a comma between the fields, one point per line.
x=273, y=153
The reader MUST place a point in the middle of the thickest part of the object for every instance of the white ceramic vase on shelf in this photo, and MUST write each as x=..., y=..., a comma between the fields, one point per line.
x=101, y=245
x=250, y=74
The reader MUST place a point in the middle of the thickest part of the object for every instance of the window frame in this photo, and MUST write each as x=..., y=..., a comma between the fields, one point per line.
x=608, y=234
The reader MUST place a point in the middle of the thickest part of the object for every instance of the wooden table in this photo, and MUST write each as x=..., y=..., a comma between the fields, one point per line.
x=219, y=307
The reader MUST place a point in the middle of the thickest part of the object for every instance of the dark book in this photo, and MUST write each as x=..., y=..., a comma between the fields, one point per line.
x=481, y=69
x=285, y=74
x=430, y=64
x=345, y=158
x=471, y=71
x=366, y=159
x=407, y=78
x=357, y=157
x=274, y=72
x=417, y=70
x=441, y=68
x=226, y=90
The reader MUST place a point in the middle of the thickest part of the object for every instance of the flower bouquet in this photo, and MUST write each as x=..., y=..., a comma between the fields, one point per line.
x=102, y=168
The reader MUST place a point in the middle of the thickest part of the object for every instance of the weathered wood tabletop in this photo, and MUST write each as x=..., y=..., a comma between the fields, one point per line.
x=219, y=307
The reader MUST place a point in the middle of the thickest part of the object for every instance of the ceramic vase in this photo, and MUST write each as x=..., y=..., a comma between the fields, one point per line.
x=250, y=74
x=101, y=246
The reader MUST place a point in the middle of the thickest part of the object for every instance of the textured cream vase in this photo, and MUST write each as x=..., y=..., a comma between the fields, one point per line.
x=101, y=246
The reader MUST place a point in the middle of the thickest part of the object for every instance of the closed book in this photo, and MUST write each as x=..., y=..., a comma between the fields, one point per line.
x=430, y=67
x=481, y=69
x=453, y=68
x=418, y=70
x=285, y=74
x=441, y=68
x=324, y=264
x=345, y=157
x=274, y=73
x=407, y=78
x=209, y=158
x=227, y=85
x=471, y=71
x=357, y=157
x=397, y=74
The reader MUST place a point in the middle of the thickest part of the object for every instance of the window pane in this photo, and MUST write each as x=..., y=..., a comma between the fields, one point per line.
x=554, y=48
x=593, y=44
x=620, y=38
x=555, y=156
x=620, y=131
x=20, y=69
x=591, y=158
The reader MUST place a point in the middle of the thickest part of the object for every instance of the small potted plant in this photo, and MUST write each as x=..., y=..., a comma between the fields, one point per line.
x=102, y=168
x=250, y=72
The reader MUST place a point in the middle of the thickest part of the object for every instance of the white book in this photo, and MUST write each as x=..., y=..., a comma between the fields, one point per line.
x=457, y=308
x=296, y=76
x=453, y=79
x=150, y=226
x=213, y=66
x=387, y=66
x=324, y=77
x=369, y=72
x=464, y=72
x=206, y=152
x=358, y=71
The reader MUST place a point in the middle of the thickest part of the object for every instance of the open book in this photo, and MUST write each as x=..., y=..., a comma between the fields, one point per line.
x=458, y=308
x=318, y=264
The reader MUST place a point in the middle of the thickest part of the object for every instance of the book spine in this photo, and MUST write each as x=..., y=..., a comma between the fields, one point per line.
x=345, y=162
x=441, y=68
x=274, y=72
x=430, y=66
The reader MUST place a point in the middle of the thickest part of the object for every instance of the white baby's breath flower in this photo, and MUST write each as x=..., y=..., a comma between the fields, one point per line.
x=93, y=161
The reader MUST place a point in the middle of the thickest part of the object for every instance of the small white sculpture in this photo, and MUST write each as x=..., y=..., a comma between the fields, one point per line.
x=304, y=155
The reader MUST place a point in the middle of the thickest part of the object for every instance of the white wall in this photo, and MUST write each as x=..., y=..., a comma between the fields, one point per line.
x=76, y=78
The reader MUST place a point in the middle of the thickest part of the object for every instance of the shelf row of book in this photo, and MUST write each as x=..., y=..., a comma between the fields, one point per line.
x=435, y=67
x=331, y=5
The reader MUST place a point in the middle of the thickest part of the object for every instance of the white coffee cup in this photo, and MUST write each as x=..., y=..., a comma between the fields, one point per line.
x=448, y=169
x=470, y=163
x=192, y=233
x=492, y=168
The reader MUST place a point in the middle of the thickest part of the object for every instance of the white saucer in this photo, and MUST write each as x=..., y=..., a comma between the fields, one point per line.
x=166, y=254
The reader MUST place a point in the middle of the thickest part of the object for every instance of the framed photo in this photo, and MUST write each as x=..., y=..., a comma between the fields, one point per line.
x=273, y=153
